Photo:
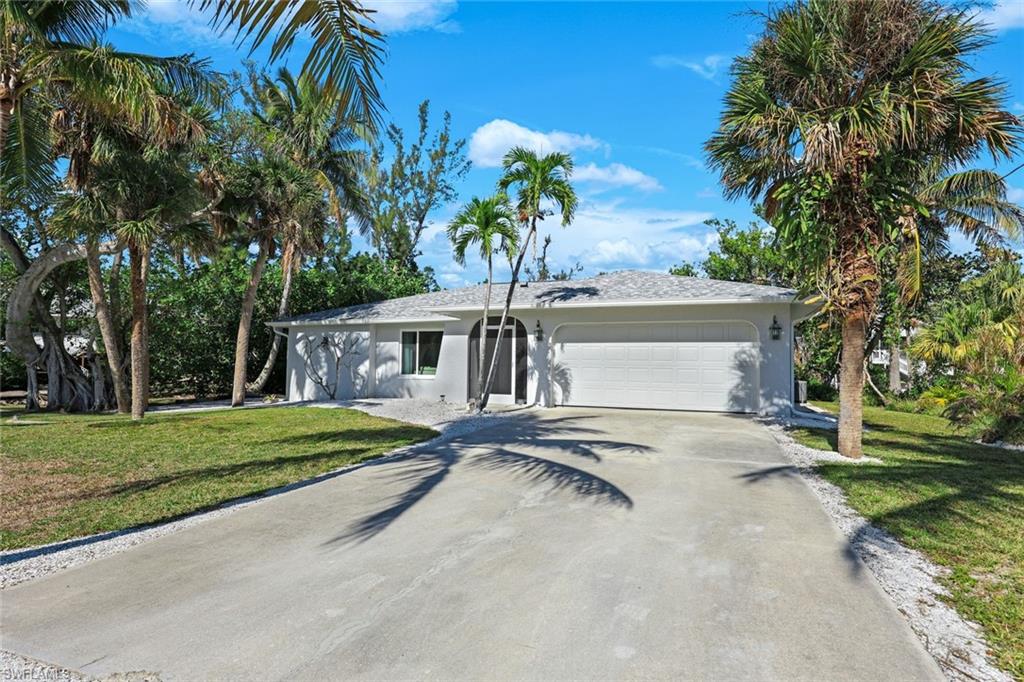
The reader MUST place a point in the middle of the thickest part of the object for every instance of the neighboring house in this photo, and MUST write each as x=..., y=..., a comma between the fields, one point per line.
x=624, y=339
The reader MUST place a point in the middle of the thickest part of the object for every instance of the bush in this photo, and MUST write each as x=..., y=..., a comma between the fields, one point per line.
x=821, y=392
x=992, y=403
x=936, y=399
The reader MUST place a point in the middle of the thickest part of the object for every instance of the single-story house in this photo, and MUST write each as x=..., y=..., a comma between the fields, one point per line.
x=622, y=339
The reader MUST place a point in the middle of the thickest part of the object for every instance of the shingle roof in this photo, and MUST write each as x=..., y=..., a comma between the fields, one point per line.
x=615, y=287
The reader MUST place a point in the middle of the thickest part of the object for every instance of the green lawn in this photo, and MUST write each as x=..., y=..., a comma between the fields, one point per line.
x=960, y=503
x=64, y=476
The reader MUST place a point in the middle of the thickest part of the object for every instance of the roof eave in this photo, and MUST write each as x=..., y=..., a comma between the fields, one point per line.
x=359, y=321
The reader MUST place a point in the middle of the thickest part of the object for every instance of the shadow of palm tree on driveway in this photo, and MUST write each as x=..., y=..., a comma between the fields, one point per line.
x=501, y=452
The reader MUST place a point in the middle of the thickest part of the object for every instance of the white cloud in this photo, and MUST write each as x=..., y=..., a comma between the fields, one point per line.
x=610, y=236
x=490, y=142
x=396, y=16
x=707, y=68
x=1018, y=107
x=708, y=193
x=175, y=21
x=1015, y=194
x=616, y=175
x=1003, y=15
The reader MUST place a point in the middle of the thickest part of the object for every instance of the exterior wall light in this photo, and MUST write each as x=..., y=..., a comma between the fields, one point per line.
x=776, y=329
x=538, y=332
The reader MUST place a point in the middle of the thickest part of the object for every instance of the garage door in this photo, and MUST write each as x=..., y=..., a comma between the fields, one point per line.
x=688, y=366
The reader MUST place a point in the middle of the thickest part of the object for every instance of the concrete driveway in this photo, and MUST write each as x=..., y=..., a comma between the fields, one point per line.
x=556, y=544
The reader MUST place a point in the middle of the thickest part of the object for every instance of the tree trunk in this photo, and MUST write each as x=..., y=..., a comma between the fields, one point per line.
x=107, y=330
x=22, y=301
x=6, y=107
x=244, y=324
x=851, y=385
x=504, y=316
x=137, y=254
x=144, y=265
x=895, y=378
x=287, y=269
x=483, y=332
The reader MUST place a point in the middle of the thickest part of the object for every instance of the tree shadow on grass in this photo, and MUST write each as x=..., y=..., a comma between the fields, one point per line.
x=500, y=449
x=934, y=479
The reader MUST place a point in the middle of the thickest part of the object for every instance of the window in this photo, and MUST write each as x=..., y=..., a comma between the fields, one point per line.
x=420, y=352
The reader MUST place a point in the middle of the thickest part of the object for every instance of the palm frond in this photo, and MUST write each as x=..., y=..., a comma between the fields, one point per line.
x=346, y=49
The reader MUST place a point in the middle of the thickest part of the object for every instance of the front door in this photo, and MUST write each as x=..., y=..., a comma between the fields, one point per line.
x=510, y=373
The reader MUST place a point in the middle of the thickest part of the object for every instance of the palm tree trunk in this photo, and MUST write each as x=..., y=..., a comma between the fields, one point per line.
x=244, y=325
x=851, y=385
x=504, y=316
x=483, y=332
x=107, y=329
x=145, y=327
x=6, y=107
x=895, y=378
x=287, y=270
x=140, y=372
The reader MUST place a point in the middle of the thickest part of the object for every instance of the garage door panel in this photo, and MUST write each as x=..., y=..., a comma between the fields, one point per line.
x=696, y=366
x=687, y=353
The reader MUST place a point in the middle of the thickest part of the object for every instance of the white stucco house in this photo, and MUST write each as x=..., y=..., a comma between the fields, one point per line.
x=624, y=339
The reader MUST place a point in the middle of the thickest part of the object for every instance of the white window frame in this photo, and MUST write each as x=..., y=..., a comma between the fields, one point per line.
x=416, y=353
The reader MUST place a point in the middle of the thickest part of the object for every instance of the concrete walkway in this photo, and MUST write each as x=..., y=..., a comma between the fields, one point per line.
x=554, y=545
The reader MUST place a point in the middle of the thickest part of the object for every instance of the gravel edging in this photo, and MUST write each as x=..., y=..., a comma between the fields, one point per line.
x=906, y=575
x=21, y=565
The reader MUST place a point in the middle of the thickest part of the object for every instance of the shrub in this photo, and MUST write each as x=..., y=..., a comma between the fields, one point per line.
x=937, y=398
x=992, y=402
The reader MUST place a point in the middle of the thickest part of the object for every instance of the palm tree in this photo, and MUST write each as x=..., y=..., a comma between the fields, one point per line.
x=535, y=179
x=346, y=49
x=141, y=193
x=49, y=47
x=829, y=121
x=304, y=122
x=267, y=200
x=491, y=224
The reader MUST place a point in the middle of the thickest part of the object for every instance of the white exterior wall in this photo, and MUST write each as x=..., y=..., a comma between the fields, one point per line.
x=386, y=381
x=355, y=378
x=452, y=370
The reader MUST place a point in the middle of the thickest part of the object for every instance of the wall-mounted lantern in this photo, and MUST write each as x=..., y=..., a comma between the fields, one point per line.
x=538, y=332
x=776, y=329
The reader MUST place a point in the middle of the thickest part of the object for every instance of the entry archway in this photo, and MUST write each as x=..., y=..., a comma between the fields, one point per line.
x=510, y=375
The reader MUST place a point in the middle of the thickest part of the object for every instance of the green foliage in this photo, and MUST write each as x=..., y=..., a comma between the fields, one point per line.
x=345, y=48
x=827, y=123
x=419, y=178
x=751, y=255
x=194, y=314
x=684, y=270
x=488, y=223
x=979, y=335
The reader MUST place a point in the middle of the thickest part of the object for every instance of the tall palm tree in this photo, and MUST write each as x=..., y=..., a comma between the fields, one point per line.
x=268, y=200
x=829, y=121
x=304, y=123
x=346, y=49
x=142, y=194
x=491, y=225
x=50, y=46
x=535, y=179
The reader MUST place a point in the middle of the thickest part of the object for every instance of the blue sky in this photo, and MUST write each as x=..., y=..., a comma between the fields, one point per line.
x=632, y=90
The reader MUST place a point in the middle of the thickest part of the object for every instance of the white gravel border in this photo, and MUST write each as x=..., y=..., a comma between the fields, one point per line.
x=20, y=565
x=910, y=580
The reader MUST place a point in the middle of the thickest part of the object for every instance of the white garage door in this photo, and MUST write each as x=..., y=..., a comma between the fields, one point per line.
x=688, y=366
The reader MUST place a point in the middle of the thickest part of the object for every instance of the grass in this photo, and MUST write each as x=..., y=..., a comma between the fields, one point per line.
x=960, y=503
x=65, y=476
